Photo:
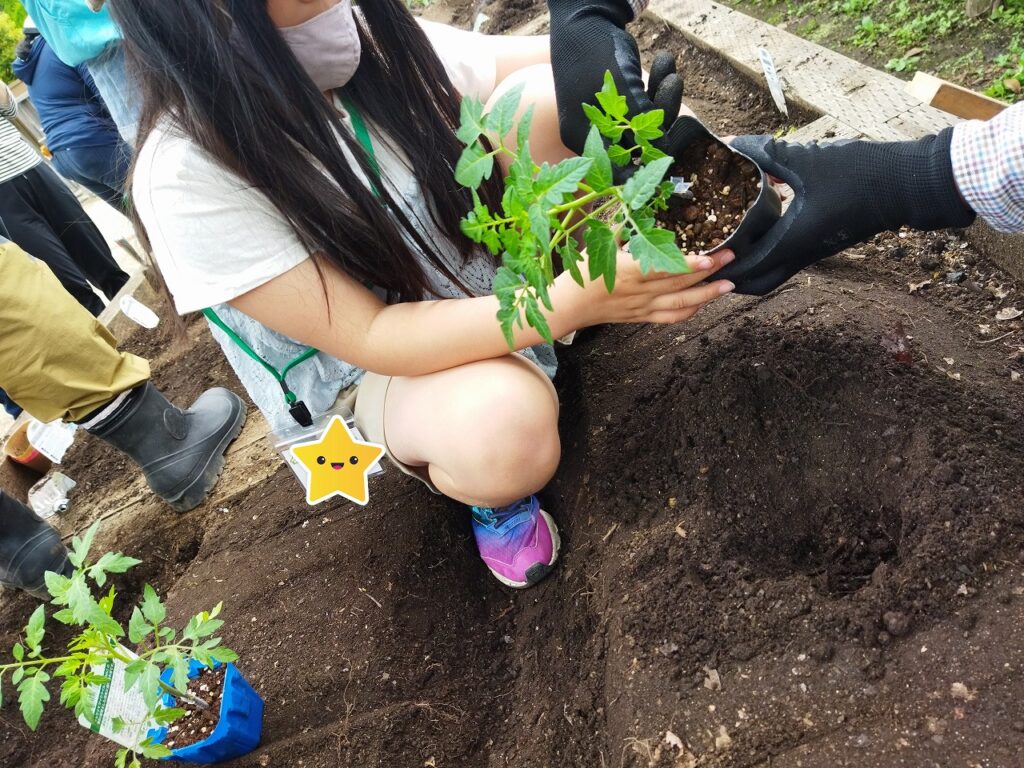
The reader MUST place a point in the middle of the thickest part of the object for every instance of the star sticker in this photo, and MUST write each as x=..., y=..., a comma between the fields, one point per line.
x=338, y=464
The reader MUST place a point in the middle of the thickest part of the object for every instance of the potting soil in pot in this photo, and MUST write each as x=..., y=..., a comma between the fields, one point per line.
x=722, y=185
x=197, y=724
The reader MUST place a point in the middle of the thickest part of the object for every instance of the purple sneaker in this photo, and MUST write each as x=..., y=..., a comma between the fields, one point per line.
x=519, y=542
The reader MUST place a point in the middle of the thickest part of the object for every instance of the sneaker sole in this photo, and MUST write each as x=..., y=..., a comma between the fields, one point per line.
x=196, y=493
x=538, y=571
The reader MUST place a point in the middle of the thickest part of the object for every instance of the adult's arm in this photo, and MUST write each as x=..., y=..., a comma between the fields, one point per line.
x=8, y=104
x=849, y=191
x=988, y=163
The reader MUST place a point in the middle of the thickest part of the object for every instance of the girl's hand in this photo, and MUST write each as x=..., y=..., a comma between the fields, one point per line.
x=656, y=297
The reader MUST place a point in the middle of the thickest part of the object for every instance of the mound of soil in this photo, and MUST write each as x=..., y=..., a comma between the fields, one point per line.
x=791, y=537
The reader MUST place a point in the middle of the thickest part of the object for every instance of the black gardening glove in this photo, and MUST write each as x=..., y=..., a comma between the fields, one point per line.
x=845, y=193
x=588, y=38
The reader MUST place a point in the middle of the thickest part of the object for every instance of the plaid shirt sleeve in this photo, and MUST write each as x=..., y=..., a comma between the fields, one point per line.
x=988, y=162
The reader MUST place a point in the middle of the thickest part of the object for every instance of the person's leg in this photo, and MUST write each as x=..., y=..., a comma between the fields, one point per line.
x=487, y=432
x=56, y=361
x=81, y=237
x=30, y=229
x=28, y=549
x=101, y=170
x=65, y=365
x=10, y=407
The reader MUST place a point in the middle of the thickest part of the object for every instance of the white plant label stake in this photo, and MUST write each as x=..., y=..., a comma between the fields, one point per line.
x=120, y=715
x=774, y=83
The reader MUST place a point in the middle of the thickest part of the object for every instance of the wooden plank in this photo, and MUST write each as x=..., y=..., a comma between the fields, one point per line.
x=953, y=98
x=871, y=103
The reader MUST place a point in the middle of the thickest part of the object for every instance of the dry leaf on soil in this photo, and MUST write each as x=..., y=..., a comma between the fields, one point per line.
x=1008, y=313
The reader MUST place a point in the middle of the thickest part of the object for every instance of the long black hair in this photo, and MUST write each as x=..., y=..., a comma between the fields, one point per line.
x=220, y=71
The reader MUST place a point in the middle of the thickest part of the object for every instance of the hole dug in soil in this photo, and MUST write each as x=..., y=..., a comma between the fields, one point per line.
x=818, y=493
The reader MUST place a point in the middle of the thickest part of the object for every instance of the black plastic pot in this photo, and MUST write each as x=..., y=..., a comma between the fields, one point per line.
x=761, y=215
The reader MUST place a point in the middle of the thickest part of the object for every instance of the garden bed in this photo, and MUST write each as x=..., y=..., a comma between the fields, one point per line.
x=792, y=532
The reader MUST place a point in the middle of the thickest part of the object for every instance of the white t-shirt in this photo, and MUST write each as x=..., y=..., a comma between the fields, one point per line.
x=216, y=238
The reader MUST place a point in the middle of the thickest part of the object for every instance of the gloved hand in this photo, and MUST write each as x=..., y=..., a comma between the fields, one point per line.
x=588, y=38
x=845, y=193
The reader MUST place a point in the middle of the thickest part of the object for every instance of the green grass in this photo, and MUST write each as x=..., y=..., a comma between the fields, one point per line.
x=906, y=35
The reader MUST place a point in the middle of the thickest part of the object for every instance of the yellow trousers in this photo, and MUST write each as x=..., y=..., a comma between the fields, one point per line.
x=56, y=360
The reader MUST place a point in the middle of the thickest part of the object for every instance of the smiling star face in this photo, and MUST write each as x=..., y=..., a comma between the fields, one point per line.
x=338, y=464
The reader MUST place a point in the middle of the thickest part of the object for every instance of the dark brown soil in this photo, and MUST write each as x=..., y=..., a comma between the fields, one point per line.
x=197, y=724
x=722, y=186
x=782, y=545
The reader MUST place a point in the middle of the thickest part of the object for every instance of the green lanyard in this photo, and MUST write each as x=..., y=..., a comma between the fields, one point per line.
x=296, y=407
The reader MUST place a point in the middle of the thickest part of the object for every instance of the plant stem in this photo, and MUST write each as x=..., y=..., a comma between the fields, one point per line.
x=580, y=201
x=41, y=662
x=201, y=704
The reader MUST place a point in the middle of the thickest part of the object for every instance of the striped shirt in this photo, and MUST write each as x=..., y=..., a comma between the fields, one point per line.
x=988, y=162
x=16, y=154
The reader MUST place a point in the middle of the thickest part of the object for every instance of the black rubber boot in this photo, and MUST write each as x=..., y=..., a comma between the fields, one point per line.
x=28, y=549
x=180, y=452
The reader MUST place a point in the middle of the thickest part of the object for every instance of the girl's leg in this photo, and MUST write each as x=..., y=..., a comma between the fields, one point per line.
x=486, y=431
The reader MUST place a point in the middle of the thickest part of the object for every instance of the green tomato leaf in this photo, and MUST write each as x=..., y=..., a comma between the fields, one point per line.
x=656, y=249
x=80, y=547
x=70, y=692
x=32, y=695
x=471, y=120
x=571, y=257
x=138, y=627
x=18, y=651
x=79, y=599
x=152, y=608
x=149, y=685
x=167, y=715
x=120, y=758
x=554, y=183
x=65, y=616
x=650, y=153
x=604, y=124
x=599, y=177
x=644, y=183
x=111, y=562
x=535, y=317
x=540, y=225
x=647, y=125
x=102, y=622
x=523, y=131
x=57, y=586
x=619, y=155
x=474, y=166
x=154, y=751
x=608, y=97
x=132, y=672
x=17, y=675
x=34, y=630
x=601, y=252
x=224, y=655
x=503, y=114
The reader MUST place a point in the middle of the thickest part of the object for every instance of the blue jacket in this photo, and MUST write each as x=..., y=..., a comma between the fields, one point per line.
x=75, y=32
x=69, y=106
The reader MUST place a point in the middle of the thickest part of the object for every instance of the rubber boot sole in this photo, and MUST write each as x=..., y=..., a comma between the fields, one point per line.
x=196, y=493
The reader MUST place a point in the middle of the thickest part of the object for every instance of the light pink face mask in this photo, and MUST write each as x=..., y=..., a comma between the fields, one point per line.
x=327, y=46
